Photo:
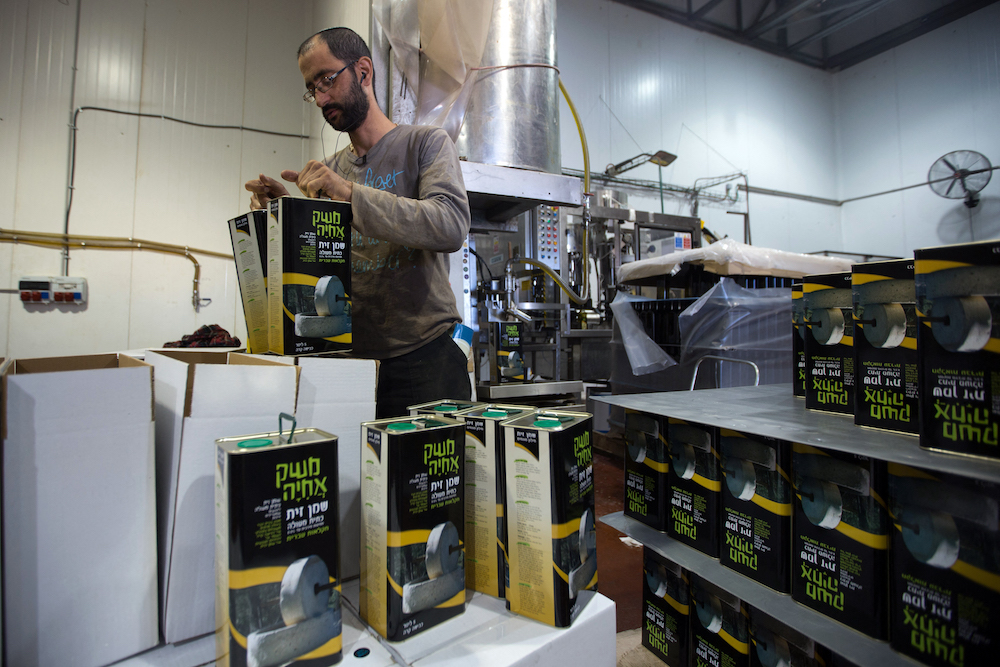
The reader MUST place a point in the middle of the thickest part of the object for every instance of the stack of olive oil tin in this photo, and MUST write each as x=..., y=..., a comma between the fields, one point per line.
x=488, y=497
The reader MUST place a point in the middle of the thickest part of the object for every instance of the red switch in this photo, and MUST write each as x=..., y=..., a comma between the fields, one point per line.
x=25, y=296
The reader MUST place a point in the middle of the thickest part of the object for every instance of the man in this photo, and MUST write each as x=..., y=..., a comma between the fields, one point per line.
x=410, y=208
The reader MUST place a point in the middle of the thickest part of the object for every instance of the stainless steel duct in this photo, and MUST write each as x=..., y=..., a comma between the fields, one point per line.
x=513, y=114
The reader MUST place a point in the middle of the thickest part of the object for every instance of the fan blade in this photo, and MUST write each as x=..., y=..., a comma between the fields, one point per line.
x=950, y=186
x=950, y=165
x=965, y=188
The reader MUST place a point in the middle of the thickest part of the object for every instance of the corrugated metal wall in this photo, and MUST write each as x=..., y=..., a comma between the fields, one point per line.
x=228, y=62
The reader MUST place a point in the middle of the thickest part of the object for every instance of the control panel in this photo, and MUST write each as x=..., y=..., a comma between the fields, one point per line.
x=549, y=242
x=49, y=289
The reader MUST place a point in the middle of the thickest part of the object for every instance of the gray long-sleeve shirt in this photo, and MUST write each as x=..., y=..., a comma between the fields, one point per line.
x=410, y=210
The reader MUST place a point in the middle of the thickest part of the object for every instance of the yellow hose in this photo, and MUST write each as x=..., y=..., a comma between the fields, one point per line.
x=57, y=241
x=586, y=208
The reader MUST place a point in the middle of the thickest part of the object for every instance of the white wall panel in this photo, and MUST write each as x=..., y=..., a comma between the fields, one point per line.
x=898, y=113
x=13, y=22
x=720, y=107
x=583, y=57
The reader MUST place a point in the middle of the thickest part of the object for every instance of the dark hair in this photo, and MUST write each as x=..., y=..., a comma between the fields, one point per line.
x=344, y=44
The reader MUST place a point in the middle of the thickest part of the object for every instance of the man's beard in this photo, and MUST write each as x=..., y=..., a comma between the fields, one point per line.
x=353, y=111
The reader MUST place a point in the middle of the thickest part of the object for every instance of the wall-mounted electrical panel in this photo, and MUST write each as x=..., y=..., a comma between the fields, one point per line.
x=52, y=289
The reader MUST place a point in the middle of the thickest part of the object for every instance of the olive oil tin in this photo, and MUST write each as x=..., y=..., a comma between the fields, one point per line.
x=666, y=609
x=945, y=573
x=445, y=407
x=552, y=537
x=485, y=496
x=757, y=507
x=695, y=485
x=830, y=378
x=278, y=549
x=647, y=464
x=885, y=346
x=840, y=545
x=720, y=627
x=412, y=524
x=958, y=343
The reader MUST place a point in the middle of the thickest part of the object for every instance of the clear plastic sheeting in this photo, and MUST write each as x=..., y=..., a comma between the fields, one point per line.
x=644, y=355
x=750, y=324
x=438, y=44
x=729, y=257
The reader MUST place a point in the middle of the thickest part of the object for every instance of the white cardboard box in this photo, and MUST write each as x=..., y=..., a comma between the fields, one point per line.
x=79, y=510
x=336, y=395
x=202, y=396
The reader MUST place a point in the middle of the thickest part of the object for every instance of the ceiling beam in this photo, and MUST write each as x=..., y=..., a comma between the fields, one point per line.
x=873, y=6
x=706, y=8
x=703, y=25
x=776, y=19
x=904, y=33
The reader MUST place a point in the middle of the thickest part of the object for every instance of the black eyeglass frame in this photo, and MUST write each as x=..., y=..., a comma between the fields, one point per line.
x=325, y=84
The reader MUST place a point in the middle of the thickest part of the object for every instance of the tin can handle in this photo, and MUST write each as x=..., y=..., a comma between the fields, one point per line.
x=281, y=420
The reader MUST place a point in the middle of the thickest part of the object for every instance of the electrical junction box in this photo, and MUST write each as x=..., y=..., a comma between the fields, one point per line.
x=51, y=289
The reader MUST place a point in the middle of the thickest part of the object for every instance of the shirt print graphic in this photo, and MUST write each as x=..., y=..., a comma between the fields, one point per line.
x=363, y=247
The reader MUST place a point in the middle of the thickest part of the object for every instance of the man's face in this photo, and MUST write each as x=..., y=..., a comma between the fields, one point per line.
x=344, y=105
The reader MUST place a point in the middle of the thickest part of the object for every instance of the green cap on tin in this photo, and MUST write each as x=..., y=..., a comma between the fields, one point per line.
x=254, y=442
x=445, y=408
x=547, y=423
x=401, y=426
x=494, y=414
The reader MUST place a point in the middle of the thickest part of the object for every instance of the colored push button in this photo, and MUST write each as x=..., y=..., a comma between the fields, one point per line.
x=548, y=423
x=254, y=442
x=25, y=295
x=401, y=426
x=494, y=414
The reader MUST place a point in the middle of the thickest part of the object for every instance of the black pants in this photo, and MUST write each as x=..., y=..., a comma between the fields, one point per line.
x=435, y=371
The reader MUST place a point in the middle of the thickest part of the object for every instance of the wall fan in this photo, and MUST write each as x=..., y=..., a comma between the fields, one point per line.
x=960, y=174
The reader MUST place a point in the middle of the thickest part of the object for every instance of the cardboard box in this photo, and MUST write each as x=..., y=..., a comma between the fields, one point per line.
x=201, y=397
x=309, y=275
x=248, y=234
x=647, y=466
x=695, y=485
x=666, y=609
x=757, y=507
x=830, y=381
x=840, y=560
x=958, y=300
x=412, y=524
x=945, y=585
x=337, y=395
x=720, y=632
x=79, y=510
x=551, y=531
x=885, y=345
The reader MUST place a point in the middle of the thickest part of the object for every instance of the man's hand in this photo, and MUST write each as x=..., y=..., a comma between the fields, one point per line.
x=317, y=180
x=264, y=189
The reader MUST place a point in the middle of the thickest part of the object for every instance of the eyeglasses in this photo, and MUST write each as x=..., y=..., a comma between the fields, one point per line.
x=324, y=84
